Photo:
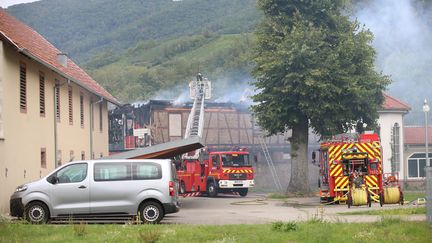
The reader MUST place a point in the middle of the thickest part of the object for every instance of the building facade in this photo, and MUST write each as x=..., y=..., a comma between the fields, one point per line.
x=391, y=125
x=51, y=111
x=415, y=156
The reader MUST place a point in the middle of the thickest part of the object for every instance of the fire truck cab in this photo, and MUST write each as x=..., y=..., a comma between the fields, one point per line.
x=217, y=172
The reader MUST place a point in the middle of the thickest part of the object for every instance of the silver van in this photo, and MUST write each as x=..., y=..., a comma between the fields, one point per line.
x=147, y=188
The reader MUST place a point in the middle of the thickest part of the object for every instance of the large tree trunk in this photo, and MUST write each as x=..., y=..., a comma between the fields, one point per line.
x=299, y=182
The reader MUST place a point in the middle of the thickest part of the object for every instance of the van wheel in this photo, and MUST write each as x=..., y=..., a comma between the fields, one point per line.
x=36, y=213
x=151, y=212
x=243, y=192
x=212, y=190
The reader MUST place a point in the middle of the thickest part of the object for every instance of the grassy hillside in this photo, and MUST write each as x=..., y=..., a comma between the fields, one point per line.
x=152, y=66
x=84, y=28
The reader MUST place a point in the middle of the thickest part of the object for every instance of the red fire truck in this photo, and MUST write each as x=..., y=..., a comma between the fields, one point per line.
x=217, y=172
x=351, y=171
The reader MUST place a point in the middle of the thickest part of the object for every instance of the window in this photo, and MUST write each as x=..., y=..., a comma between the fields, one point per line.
x=71, y=155
x=147, y=171
x=41, y=94
x=57, y=100
x=416, y=165
x=43, y=158
x=82, y=109
x=59, y=157
x=235, y=160
x=23, y=88
x=112, y=171
x=71, y=174
x=127, y=171
x=70, y=105
x=215, y=160
x=100, y=117
x=395, y=147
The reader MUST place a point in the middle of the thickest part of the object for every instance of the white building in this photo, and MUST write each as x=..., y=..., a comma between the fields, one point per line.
x=391, y=133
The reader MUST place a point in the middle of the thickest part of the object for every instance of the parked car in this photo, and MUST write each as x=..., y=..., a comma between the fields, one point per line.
x=147, y=188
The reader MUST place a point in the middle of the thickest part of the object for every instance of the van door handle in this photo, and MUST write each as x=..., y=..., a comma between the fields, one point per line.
x=82, y=187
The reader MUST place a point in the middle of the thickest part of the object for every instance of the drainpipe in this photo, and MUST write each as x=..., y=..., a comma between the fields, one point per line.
x=91, y=124
x=56, y=85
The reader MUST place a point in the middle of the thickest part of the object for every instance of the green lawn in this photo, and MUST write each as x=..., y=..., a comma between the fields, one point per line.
x=387, y=230
x=396, y=211
x=413, y=195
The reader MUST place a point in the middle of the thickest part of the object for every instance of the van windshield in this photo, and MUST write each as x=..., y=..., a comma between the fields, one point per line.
x=235, y=160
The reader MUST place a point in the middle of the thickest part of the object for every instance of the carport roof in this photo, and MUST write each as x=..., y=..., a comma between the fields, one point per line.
x=161, y=151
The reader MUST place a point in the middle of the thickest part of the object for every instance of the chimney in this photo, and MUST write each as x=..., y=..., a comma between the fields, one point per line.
x=62, y=59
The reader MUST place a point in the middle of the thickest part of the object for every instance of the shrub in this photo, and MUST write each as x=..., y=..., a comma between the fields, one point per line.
x=80, y=229
x=149, y=235
x=284, y=227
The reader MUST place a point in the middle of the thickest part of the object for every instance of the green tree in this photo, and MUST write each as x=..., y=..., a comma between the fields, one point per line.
x=313, y=68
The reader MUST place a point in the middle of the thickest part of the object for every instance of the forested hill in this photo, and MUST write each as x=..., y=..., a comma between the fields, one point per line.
x=82, y=28
x=139, y=48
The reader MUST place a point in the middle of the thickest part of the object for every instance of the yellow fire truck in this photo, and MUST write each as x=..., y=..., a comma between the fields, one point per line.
x=351, y=172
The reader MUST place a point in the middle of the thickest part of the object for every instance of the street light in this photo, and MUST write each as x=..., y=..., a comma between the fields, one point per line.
x=428, y=170
x=426, y=110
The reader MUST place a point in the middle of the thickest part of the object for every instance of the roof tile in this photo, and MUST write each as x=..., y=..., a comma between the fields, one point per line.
x=391, y=103
x=25, y=38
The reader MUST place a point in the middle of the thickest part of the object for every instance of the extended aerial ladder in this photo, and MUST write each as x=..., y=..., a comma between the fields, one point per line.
x=200, y=90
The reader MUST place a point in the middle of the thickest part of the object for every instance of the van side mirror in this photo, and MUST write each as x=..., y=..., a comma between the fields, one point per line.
x=53, y=179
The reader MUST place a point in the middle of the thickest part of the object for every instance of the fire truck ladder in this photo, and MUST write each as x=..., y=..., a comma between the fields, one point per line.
x=270, y=164
x=196, y=118
x=199, y=91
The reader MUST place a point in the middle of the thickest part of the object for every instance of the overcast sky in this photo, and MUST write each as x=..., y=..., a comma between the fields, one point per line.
x=7, y=3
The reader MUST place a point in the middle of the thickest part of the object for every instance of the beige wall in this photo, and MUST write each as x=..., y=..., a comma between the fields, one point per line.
x=26, y=133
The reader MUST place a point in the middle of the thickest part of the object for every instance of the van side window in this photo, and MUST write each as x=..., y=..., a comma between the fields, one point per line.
x=72, y=173
x=147, y=171
x=112, y=171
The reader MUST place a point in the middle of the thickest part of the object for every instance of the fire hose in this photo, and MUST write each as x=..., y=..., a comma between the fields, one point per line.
x=391, y=195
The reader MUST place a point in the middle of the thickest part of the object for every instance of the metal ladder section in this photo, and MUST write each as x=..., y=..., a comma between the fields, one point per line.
x=196, y=118
x=196, y=128
x=270, y=164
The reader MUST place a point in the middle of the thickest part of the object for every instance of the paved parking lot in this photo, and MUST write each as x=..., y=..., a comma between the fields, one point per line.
x=255, y=209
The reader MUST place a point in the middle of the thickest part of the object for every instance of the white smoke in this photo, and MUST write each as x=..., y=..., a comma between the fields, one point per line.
x=403, y=37
x=235, y=90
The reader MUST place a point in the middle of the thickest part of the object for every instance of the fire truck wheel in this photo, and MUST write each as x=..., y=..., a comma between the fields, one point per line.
x=151, y=212
x=243, y=192
x=212, y=190
x=182, y=189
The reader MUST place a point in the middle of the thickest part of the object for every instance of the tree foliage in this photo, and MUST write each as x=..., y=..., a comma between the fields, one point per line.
x=312, y=61
x=314, y=68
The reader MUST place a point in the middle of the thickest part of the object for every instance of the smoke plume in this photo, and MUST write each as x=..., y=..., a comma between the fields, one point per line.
x=403, y=37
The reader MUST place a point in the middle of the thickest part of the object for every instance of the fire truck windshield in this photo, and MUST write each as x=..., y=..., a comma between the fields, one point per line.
x=235, y=160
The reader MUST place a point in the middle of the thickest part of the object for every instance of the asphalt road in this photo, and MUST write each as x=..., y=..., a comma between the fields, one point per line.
x=256, y=209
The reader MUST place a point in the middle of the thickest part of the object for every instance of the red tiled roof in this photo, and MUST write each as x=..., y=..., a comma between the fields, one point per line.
x=391, y=103
x=31, y=43
x=416, y=135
